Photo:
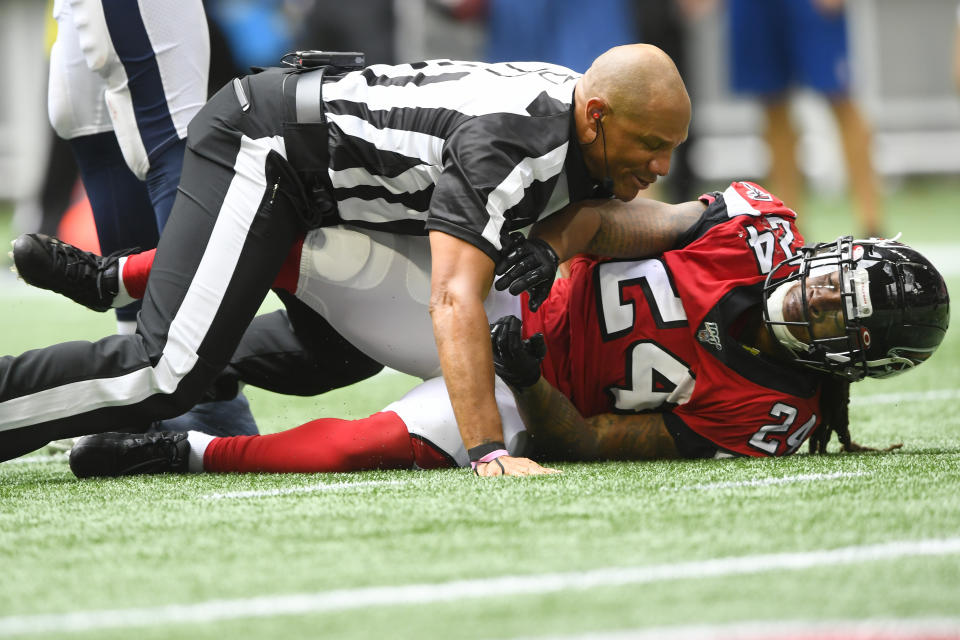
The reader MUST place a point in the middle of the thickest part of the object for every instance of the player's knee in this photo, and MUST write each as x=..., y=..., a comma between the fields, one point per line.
x=365, y=369
x=176, y=403
x=351, y=371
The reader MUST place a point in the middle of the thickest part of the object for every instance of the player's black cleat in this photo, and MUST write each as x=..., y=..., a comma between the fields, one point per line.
x=84, y=277
x=126, y=454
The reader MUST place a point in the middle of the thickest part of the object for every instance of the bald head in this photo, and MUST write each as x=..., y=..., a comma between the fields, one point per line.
x=633, y=79
x=633, y=102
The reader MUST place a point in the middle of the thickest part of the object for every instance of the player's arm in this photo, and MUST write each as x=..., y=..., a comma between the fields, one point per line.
x=555, y=426
x=636, y=229
x=558, y=431
x=460, y=280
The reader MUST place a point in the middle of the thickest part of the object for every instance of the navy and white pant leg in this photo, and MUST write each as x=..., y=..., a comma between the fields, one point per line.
x=139, y=69
x=233, y=223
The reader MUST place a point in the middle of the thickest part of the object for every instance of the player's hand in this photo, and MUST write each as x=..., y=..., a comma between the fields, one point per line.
x=510, y=466
x=527, y=265
x=853, y=447
x=515, y=360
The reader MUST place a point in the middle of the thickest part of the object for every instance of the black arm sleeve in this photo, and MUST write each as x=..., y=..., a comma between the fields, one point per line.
x=690, y=444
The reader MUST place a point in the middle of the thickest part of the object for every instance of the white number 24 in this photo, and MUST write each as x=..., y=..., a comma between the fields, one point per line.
x=761, y=439
x=764, y=242
x=654, y=376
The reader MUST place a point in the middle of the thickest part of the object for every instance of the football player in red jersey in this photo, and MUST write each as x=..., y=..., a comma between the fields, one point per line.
x=739, y=340
x=691, y=353
x=721, y=380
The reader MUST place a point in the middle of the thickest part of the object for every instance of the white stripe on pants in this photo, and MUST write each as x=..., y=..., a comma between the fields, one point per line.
x=192, y=321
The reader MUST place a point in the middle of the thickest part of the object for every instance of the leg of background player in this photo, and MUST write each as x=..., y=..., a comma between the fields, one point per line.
x=155, y=62
x=121, y=207
x=206, y=288
x=163, y=178
x=217, y=418
x=58, y=185
x=855, y=135
x=782, y=139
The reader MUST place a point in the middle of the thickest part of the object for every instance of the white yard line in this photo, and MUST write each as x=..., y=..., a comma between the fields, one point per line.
x=313, y=488
x=429, y=593
x=870, y=629
x=763, y=482
x=40, y=459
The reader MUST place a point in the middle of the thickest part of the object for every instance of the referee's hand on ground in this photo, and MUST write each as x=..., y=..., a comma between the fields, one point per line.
x=510, y=466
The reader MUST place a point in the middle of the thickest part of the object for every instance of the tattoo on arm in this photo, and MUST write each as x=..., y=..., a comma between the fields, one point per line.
x=642, y=228
x=633, y=437
x=558, y=431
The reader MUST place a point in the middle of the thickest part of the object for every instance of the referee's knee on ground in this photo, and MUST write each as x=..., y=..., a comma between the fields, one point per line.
x=178, y=402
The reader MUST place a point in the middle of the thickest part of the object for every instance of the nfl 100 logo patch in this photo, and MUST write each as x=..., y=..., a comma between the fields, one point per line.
x=710, y=335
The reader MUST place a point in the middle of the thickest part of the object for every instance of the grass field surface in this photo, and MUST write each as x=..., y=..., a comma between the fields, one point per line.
x=836, y=546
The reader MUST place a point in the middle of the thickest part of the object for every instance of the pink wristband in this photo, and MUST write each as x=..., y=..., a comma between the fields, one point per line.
x=490, y=457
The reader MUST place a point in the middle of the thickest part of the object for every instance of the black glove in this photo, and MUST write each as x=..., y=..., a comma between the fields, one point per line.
x=516, y=361
x=527, y=265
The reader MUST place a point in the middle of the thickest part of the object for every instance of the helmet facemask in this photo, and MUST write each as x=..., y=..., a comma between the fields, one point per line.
x=894, y=307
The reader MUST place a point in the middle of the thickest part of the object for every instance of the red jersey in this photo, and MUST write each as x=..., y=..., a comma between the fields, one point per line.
x=631, y=336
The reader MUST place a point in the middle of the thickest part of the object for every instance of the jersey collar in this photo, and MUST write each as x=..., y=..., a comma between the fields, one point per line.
x=713, y=335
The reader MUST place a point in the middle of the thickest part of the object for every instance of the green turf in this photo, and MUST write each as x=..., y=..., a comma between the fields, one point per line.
x=71, y=546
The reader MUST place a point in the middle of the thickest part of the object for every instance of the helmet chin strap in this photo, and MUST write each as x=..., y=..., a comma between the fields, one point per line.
x=775, y=311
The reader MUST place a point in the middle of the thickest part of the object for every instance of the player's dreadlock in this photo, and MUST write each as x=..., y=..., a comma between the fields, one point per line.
x=835, y=412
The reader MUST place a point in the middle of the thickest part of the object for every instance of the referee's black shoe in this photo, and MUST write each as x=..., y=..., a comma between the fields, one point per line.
x=127, y=454
x=84, y=277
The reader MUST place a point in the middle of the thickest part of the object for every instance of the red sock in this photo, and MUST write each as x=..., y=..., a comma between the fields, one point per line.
x=290, y=271
x=136, y=271
x=325, y=445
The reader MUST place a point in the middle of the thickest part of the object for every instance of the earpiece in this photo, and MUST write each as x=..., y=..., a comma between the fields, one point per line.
x=607, y=182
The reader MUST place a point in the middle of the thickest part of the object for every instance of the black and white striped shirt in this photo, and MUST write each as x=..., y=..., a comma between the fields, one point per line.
x=471, y=149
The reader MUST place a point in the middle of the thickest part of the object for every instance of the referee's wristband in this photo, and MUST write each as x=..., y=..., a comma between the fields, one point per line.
x=486, y=452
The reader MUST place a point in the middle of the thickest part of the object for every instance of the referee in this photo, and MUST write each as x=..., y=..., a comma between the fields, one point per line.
x=463, y=152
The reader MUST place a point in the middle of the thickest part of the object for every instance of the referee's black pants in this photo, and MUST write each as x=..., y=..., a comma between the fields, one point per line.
x=235, y=218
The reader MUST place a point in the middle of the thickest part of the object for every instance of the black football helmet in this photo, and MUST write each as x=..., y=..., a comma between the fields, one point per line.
x=896, y=307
